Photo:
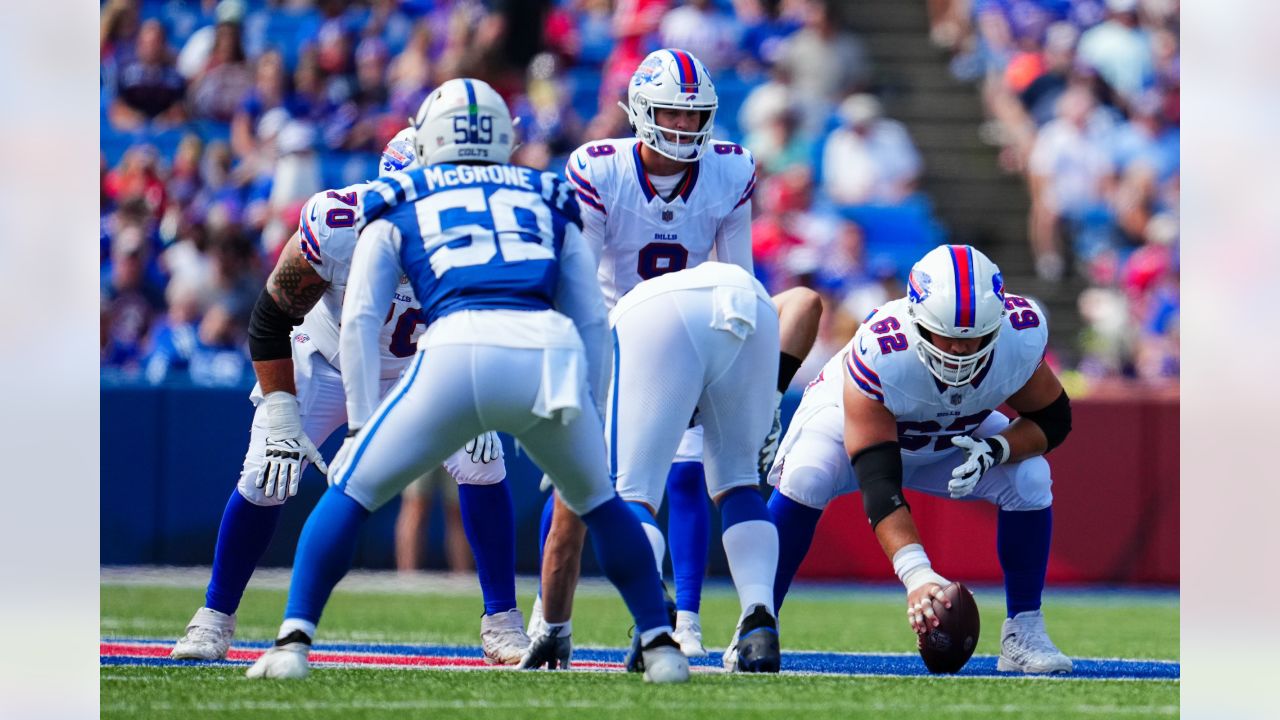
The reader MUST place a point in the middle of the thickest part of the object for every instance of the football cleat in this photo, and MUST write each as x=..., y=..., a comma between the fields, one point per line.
x=286, y=660
x=503, y=638
x=661, y=661
x=688, y=633
x=1025, y=646
x=755, y=646
x=632, y=662
x=208, y=636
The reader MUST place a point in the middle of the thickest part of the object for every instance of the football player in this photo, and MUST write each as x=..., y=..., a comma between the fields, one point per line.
x=911, y=402
x=516, y=333
x=300, y=402
x=667, y=199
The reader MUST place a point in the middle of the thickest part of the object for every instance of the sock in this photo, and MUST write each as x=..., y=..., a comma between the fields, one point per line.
x=488, y=518
x=651, y=532
x=1022, y=542
x=788, y=366
x=325, y=551
x=688, y=532
x=622, y=552
x=291, y=624
x=750, y=545
x=796, y=524
x=243, y=537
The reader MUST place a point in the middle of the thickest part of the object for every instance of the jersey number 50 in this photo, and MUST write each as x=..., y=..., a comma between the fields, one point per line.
x=524, y=235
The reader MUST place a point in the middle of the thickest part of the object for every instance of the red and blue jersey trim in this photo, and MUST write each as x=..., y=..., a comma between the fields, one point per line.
x=966, y=293
x=310, y=247
x=650, y=192
x=867, y=372
x=688, y=71
x=586, y=192
x=862, y=382
x=646, y=185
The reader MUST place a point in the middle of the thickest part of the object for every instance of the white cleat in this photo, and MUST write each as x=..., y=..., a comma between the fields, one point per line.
x=503, y=638
x=208, y=636
x=663, y=661
x=286, y=660
x=688, y=633
x=730, y=658
x=537, y=626
x=1025, y=646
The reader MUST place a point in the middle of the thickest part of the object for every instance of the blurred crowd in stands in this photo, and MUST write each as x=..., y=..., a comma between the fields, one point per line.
x=220, y=118
x=1083, y=97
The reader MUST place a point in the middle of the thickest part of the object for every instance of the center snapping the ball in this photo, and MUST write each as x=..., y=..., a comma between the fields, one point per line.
x=946, y=648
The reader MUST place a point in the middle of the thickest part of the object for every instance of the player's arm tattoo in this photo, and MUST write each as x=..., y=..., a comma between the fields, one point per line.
x=294, y=284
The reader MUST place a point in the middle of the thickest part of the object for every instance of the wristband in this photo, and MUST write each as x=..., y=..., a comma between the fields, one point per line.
x=913, y=568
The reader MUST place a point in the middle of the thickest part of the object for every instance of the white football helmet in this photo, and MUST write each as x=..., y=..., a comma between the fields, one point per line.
x=464, y=120
x=400, y=154
x=955, y=291
x=676, y=80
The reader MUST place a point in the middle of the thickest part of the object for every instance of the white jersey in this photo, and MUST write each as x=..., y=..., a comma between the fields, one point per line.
x=882, y=362
x=638, y=234
x=328, y=237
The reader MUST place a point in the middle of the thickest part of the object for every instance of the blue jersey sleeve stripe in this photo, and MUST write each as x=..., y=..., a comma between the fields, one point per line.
x=582, y=184
x=867, y=372
x=591, y=202
x=309, y=245
x=866, y=387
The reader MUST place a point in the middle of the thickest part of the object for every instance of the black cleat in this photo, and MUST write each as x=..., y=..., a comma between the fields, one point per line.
x=634, y=661
x=758, y=647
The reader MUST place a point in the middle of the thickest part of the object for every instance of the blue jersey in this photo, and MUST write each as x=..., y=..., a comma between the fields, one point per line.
x=476, y=237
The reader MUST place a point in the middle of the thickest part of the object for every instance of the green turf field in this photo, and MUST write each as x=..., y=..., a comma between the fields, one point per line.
x=1084, y=625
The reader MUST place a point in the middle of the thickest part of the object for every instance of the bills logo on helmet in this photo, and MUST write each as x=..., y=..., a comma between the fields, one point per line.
x=397, y=156
x=918, y=286
x=647, y=71
x=997, y=285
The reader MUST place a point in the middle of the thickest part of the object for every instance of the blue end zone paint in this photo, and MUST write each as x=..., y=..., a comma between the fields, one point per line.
x=799, y=662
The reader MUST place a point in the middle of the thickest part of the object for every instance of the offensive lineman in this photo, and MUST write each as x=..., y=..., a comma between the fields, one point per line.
x=910, y=402
x=653, y=204
x=495, y=254
x=300, y=397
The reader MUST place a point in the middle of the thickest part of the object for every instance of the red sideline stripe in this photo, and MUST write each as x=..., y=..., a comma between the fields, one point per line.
x=153, y=650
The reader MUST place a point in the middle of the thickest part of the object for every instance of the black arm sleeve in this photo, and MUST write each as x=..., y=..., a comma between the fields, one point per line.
x=1054, y=420
x=879, y=473
x=269, y=330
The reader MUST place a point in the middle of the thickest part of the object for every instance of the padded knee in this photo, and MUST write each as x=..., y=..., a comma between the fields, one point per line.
x=808, y=486
x=1030, y=485
x=466, y=472
x=251, y=492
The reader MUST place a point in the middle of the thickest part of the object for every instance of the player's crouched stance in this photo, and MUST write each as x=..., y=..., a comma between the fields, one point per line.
x=911, y=402
x=516, y=333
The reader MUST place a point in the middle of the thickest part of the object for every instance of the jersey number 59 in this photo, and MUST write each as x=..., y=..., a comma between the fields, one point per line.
x=524, y=235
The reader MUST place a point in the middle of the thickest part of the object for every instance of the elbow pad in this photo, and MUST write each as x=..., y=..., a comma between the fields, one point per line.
x=269, y=330
x=1053, y=419
x=879, y=473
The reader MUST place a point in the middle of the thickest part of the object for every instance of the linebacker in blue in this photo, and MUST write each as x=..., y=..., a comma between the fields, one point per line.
x=516, y=342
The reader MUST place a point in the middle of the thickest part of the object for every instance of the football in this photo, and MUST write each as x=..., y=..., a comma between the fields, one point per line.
x=946, y=648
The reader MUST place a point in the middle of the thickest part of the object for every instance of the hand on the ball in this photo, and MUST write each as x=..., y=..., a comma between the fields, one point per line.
x=920, y=607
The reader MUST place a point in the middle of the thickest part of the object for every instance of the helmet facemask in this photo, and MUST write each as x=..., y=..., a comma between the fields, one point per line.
x=681, y=145
x=950, y=369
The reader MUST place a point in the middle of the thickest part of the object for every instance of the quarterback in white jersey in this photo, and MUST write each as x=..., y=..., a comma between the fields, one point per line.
x=668, y=199
x=911, y=402
x=300, y=401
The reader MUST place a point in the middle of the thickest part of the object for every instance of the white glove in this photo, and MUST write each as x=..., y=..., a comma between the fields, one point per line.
x=484, y=448
x=287, y=448
x=980, y=456
x=341, y=457
x=770, y=449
